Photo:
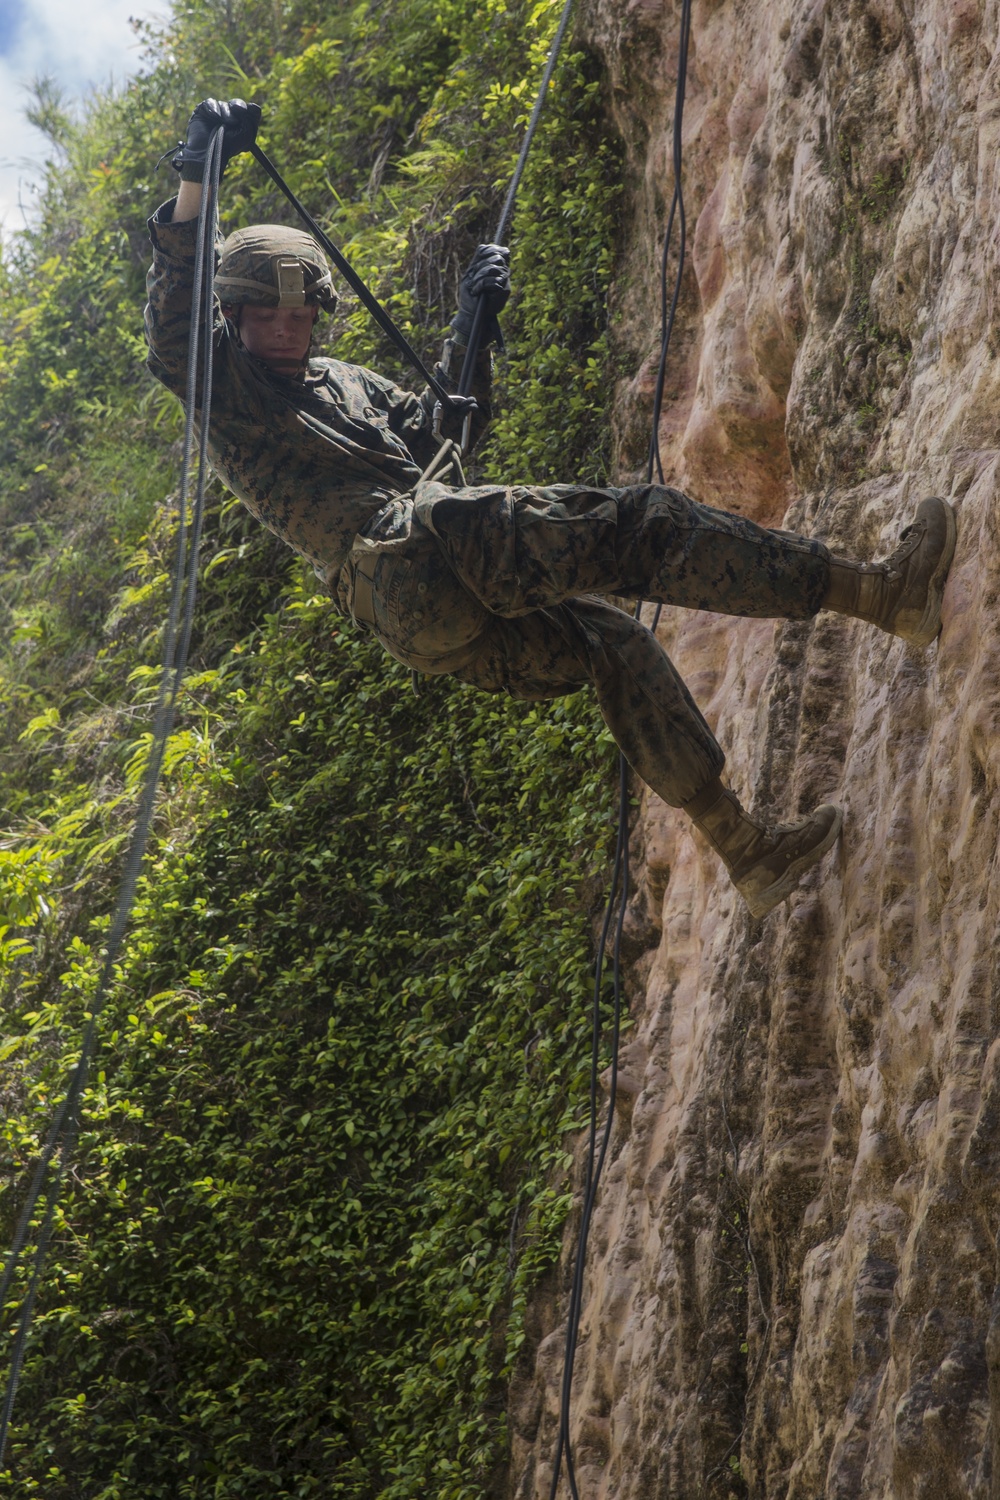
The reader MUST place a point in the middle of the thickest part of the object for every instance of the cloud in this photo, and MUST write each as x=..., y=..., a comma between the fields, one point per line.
x=81, y=44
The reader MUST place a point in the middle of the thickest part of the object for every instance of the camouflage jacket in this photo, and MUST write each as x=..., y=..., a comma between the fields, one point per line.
x=315, y=455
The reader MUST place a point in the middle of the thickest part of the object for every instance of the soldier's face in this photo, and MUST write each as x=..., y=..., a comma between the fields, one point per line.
x=277, y=335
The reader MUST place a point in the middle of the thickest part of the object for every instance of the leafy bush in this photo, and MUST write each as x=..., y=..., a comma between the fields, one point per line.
x=322, y=1157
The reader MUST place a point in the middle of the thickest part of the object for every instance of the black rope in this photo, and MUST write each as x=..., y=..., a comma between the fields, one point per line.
x=595, y=1159
x=620, y=880
x=676, y=209
x=65, y=1127
x=503, y=223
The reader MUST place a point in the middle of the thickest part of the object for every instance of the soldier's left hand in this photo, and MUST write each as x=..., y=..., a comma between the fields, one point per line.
x=461, y=406
x=488, y=277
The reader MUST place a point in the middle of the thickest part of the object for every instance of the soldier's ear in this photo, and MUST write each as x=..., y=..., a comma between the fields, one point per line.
x=232, y=317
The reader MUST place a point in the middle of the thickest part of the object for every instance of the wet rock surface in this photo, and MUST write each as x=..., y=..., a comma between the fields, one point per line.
x=791, y=1284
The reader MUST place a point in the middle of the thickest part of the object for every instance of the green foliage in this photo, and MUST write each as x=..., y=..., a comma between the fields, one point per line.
x=322, y=1158
x=349, y=1039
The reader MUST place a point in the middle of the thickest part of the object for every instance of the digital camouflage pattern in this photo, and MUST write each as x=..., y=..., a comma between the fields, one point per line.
x=314, y=455
x=493, y=584
x=273, y=265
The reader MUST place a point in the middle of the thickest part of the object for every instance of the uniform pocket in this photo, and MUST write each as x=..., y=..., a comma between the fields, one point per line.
x=417, y=607
x=426, y=611
x=475, y=528
x=396, y=572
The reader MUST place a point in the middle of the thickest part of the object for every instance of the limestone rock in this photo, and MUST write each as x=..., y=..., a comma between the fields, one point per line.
x=791, y=1291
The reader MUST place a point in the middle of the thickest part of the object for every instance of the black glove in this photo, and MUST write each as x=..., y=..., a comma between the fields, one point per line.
x=239, y=121
x=488, y=277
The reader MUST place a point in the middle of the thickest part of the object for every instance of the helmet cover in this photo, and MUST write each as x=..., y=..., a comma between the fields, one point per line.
x=274, y=265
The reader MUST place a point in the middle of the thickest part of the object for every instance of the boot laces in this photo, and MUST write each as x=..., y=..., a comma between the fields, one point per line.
x=909, y=540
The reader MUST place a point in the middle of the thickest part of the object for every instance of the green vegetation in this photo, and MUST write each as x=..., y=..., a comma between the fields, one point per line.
x=322, y=1161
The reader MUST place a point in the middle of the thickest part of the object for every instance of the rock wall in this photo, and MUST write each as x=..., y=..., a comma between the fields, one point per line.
x=793, y=1265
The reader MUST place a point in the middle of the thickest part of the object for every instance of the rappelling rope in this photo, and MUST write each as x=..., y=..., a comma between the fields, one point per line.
x=676, y=211
x=503, y=223
x=620, y=880
x=65, y=1127
x=371, y=302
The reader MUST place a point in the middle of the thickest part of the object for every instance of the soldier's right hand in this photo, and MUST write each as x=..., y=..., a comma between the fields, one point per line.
x=239, y=122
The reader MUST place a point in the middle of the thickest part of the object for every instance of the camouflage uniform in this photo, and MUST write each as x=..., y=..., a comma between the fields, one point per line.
x=493, y=584
x=315, y=455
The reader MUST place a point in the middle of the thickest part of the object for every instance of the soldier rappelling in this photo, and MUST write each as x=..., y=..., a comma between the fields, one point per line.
x=501, y=586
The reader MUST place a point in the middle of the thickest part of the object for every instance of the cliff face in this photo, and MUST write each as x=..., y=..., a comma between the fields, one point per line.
x=791, y=1282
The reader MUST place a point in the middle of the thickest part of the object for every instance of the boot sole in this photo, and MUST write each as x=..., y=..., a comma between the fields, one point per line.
x=921, y=629
x=772, y=895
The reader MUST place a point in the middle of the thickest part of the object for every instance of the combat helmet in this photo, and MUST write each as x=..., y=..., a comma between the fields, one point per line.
x=273, y=265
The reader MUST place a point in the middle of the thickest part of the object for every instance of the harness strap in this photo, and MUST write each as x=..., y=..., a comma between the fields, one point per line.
x=449, y=453
x=362, y=594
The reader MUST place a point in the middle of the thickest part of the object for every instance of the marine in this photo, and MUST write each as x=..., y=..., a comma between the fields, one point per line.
x=502, y=586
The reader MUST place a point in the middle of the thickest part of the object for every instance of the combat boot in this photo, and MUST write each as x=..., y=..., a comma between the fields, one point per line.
x=903, y=593
x=764, y=864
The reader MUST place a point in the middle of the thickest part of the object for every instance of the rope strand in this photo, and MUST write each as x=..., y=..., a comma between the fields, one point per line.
x=503, y=223
x=65, y=1127
x=620, y=881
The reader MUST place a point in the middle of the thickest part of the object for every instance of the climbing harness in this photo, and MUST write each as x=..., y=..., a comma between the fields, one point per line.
x=65, y=1126
x=620, y=879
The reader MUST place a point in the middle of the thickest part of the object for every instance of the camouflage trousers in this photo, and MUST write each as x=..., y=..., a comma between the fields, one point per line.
x=497, y=587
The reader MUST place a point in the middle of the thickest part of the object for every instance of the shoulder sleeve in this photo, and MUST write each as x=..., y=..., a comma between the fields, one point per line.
x=408, y=416
x=169, y=284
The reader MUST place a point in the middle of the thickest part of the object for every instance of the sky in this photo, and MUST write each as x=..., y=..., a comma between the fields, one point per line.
x=80, y=43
